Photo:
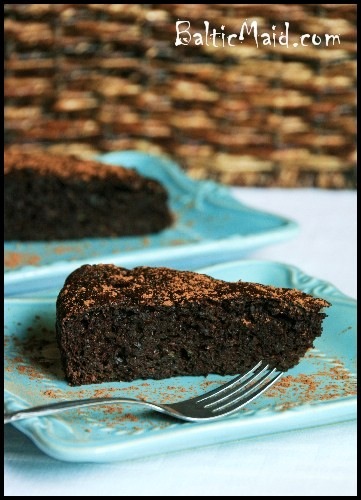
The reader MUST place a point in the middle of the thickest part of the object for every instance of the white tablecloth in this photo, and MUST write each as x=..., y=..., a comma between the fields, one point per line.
x=319, y=461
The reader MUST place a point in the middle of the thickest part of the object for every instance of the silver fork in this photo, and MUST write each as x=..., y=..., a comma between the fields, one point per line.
x=215, y=404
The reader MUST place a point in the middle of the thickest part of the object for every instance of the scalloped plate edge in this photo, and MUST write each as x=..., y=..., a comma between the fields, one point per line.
x=202, y=253
x=178, y=438
x=254, y=424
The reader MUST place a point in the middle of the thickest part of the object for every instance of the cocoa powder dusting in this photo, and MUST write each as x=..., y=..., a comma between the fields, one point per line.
x=332, y=382
x=29, y=371
x=129, y=417
x=45, y=163
x=13, y=260
x=162, y=286
x=53, y=394
x=59, y=250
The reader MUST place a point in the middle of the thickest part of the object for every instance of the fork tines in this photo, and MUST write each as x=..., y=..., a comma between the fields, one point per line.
x=241, y=390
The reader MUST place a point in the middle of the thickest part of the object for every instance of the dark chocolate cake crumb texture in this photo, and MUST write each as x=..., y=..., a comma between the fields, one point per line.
x=119, y=324
x=54, y=197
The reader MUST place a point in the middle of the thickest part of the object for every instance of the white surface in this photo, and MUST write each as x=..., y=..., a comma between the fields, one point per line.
x=312, y=462
x=326, y=244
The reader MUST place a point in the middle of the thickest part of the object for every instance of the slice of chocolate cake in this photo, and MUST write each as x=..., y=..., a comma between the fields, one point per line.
x=49, y=197
x=118, y=324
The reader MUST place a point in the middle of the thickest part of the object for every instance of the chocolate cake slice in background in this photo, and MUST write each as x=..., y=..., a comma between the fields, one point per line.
x=115, y=324
x=53, y=197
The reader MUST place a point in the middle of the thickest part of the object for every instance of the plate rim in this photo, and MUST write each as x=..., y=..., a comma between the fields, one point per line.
x=303, y=416
x=214, y=192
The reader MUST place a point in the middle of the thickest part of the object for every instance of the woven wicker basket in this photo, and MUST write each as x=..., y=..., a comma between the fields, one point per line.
x=88, y=78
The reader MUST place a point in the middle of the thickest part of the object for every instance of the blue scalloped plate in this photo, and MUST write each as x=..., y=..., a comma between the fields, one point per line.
x=320, y=390
x=210, y=227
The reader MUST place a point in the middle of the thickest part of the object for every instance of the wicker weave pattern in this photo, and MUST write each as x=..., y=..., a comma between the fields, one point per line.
x=94, y=77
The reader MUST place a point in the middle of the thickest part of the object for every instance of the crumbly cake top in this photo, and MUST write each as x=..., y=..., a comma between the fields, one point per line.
x=45, y=163
x=92, y=286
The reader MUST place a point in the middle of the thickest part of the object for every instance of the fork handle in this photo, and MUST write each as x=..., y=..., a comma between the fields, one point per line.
x=50, y=409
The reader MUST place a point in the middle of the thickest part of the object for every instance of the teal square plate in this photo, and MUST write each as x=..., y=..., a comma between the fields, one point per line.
x=321, y=389
x=209, y=227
